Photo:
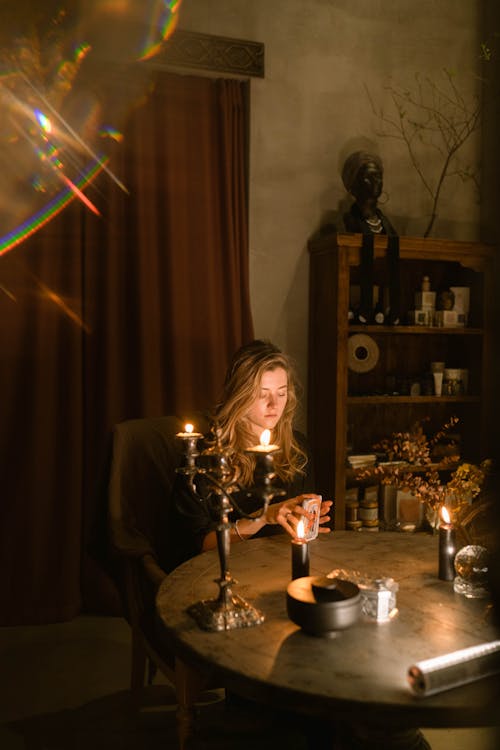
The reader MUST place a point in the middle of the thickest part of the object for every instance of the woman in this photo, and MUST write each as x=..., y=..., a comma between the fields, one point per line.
x=259, y=393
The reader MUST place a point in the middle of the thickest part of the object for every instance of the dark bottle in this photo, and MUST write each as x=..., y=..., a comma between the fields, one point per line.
x=378, y=310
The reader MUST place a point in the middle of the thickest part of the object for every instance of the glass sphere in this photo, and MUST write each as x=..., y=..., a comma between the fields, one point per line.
x=471, y=567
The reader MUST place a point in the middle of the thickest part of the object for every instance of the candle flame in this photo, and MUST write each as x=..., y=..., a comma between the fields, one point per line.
x=188, y=427
x=265, y=438
x=300, y=529
x=445, y=516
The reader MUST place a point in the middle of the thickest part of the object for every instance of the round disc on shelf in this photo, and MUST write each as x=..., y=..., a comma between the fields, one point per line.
x=362, y=352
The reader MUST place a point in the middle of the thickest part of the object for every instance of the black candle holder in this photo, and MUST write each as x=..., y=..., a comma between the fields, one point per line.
x=228, y=611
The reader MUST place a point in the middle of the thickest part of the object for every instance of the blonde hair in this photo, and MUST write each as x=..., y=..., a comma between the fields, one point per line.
x=241, y=388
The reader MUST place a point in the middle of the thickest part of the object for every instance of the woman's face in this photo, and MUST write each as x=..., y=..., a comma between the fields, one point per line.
x=267, y=408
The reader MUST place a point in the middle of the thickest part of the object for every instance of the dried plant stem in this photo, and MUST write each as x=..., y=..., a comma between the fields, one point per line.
x=431, y=117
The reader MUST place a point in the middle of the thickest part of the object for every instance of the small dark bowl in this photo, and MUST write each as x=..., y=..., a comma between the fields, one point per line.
x=322, y=606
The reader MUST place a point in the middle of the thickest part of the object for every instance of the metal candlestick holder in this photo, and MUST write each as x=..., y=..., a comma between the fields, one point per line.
x=228, y=611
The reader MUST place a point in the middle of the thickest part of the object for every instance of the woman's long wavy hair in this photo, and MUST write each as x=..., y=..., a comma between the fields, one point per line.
x=241, y=388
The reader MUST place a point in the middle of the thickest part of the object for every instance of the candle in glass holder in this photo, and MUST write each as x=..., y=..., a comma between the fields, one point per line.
x=447, y=547
x=300, y=554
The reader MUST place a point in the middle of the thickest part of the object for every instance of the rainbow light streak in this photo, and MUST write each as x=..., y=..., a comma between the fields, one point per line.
x=78, y=193
x=109, y=132
x=167, y=19
x=62, y=199
x=43, y=121
x=81, y=51
x=75, y=135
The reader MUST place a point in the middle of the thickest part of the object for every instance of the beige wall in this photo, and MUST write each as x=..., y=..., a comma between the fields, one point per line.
x=311, y=110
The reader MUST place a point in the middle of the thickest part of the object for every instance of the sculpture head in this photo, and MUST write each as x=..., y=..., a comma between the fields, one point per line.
x=362, y=175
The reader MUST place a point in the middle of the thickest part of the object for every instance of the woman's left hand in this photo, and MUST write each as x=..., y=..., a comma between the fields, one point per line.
x=289, y=512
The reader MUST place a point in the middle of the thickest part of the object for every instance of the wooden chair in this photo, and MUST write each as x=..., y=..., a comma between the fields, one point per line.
x=145, y=454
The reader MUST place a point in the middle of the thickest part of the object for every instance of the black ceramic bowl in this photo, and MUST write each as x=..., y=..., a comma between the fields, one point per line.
x=321, y=606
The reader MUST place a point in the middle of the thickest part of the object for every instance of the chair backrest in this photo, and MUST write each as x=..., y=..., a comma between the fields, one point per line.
x=145, y=454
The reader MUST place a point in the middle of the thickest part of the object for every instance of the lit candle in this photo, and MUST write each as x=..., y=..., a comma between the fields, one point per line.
x=189, y=433
x=190, y=449
x=447, y=547
x=264, y=445
x=300, y=554
x=264, y=461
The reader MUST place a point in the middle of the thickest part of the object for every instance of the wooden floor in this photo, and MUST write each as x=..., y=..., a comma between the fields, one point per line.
x=64, y=687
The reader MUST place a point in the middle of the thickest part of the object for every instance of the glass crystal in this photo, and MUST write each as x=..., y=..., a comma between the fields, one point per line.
x=471, y=567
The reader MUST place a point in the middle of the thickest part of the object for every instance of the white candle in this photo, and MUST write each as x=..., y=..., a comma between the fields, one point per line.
x=189, y=432
x=264, y=446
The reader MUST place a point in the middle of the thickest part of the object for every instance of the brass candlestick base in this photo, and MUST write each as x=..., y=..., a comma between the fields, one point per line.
x=228, y=612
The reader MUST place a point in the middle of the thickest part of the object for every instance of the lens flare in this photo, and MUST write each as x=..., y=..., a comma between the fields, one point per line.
x=61, y=107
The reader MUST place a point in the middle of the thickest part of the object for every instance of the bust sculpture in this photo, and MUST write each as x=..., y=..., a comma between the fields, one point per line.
x=362, y=175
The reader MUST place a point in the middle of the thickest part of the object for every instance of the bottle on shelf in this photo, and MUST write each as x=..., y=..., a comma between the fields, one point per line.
x=356, y=314
x=378, y=310
x=356, y=317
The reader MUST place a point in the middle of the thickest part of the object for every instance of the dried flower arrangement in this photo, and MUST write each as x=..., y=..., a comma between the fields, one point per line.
x=410, y=467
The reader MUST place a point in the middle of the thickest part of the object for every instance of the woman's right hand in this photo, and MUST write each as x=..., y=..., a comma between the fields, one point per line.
x=289, y=512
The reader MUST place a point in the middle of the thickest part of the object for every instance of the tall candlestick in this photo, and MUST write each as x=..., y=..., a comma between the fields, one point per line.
x=300, y=554
x=228, y=610
x=447, y=547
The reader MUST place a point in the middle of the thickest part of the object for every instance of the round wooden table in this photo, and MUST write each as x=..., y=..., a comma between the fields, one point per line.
x=360, y=675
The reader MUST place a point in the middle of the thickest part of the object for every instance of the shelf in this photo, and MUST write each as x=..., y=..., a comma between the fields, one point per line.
x=360, y=400
x=415, y=330
x=335, y=419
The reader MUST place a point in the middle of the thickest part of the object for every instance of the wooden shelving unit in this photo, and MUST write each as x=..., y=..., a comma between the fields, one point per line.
x=339, y=399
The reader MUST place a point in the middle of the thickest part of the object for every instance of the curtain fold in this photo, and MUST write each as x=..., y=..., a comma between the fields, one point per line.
x=157, y=300
x=41, y=451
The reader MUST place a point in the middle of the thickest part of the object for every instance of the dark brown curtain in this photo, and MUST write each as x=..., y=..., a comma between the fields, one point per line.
x=160, y=287
x=40, y=430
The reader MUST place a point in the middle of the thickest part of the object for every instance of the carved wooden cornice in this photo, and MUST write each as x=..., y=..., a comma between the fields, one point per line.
x=190, y=49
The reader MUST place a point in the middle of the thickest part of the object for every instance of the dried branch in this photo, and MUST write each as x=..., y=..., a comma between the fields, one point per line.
x=436, y=117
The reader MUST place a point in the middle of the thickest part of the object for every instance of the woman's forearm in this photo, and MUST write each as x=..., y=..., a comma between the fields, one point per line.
x=245, y=529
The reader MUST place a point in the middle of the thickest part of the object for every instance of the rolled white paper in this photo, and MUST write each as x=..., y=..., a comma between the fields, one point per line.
x=454, y=669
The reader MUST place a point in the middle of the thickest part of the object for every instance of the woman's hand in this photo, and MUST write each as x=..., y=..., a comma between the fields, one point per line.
x=289, y=512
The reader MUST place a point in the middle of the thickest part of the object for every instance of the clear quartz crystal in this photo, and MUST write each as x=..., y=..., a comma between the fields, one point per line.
x=471, y=567
x=378, y=595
